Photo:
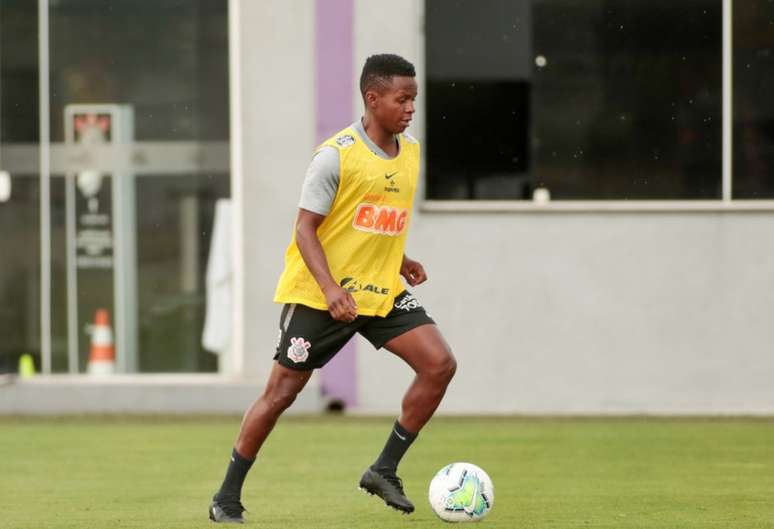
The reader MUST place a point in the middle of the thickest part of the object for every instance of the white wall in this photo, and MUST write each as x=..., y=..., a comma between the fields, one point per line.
x=547, y=312
x=278, y=134
x=598, y=312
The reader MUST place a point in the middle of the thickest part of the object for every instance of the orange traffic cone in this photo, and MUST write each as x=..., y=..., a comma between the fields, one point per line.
x=102, y=357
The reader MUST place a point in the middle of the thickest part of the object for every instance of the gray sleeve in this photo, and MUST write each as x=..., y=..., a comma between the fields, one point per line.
x=321, y=182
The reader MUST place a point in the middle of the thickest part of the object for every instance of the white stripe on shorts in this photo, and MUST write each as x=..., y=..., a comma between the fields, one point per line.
x=289, y=315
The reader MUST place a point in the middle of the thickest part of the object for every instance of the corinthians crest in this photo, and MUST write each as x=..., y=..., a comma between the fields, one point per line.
x=298, y=350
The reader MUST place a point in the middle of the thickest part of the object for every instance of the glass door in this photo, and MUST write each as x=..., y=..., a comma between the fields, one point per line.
x=134, y=160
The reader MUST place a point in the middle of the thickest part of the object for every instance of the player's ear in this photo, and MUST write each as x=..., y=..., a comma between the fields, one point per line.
x=371, y=97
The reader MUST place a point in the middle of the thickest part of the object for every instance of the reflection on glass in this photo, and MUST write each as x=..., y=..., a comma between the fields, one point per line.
x=20, y=273
x=753, y=104
x=20, y=211
x=165, y=63
x=166, y=58
x=174, y=235
x=629, y=103
x=150, y=78
x=477, y=93
x=622, y=99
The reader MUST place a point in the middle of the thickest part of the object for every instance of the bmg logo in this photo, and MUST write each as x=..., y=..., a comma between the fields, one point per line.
x=384, y=220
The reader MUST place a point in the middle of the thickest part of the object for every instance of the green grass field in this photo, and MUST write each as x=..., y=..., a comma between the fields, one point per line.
x=548, y=473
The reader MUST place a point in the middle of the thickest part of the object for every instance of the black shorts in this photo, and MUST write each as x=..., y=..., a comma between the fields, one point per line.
x=309, y=338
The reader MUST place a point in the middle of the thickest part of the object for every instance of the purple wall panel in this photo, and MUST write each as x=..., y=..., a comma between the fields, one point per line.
x=334, y=50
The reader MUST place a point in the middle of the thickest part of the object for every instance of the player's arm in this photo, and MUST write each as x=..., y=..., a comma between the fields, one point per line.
x=341, y=304
x=412, y=271
x=317, y=196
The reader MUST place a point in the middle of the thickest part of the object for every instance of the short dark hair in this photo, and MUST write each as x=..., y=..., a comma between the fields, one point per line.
x=378, y=70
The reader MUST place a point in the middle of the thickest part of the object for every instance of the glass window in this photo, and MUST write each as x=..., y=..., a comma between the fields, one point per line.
x=155, y=75
x=613, y=99
x=174, y=236
x=167, y=58
x=157, y=71
x=20, y=210
x=477, y=93
x=753, y=104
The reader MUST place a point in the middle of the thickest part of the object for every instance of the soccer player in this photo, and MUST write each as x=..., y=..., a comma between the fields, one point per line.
x=342, y=276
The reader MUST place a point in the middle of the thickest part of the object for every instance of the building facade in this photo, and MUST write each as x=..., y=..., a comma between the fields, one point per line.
x=595, y=213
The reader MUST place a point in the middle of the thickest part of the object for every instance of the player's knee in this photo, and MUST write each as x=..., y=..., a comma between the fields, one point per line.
x=442, y=371
x=279, y=401
x=450, y=367
x=453, y=366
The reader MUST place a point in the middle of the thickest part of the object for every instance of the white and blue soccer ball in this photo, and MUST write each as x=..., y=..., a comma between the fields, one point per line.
x=461, y=492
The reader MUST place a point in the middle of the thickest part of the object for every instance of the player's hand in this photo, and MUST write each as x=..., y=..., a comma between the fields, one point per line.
x=413, y=272
x=341, y=304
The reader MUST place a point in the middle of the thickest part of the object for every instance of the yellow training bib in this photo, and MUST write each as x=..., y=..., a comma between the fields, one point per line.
x=364, y=234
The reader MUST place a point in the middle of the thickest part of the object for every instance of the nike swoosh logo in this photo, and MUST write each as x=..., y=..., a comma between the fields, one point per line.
x=388, y=176
x=399, y=435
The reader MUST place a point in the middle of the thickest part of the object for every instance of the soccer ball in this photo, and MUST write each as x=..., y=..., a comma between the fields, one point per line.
x=461, y=492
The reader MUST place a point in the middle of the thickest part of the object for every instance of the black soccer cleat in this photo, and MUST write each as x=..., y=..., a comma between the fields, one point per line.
x=388, y=487
x=223, y=510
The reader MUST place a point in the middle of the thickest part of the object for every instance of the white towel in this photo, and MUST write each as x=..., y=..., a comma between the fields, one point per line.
x=216, y=337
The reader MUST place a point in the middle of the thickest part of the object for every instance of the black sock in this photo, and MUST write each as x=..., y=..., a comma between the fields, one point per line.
x=235, y=476
x=397, y=444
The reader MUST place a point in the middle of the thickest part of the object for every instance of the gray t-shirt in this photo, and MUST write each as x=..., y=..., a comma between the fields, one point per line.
x=322, y=176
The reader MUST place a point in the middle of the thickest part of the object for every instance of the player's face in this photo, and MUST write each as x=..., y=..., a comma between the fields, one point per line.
x=394, y=106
